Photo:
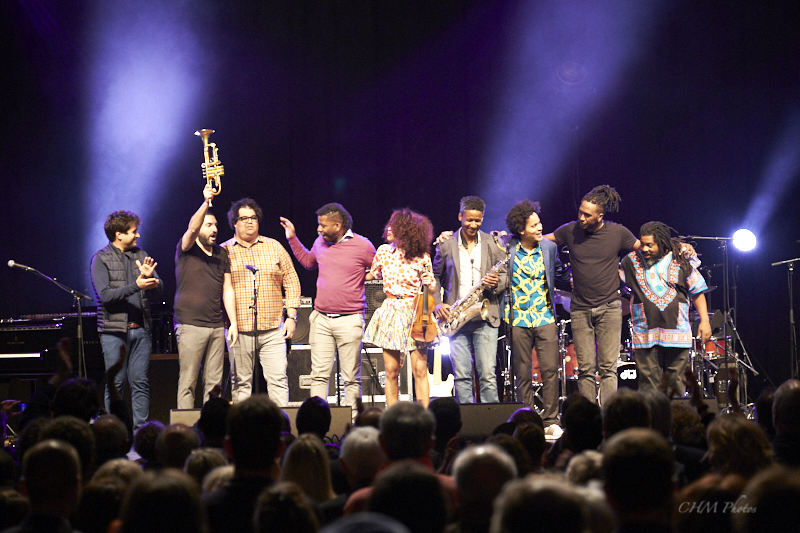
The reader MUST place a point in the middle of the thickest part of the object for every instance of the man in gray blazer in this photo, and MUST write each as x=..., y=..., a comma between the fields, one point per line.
x=461, y=263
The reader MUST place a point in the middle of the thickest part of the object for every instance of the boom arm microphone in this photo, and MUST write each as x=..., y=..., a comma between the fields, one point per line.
x=251, y=268
x=13, y=264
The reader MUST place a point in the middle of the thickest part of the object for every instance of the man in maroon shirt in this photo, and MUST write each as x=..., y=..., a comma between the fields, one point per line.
x=337, y=322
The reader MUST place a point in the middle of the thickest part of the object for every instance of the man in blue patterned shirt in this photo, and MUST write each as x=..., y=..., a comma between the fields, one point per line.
x=535, y=267
x=662, y=282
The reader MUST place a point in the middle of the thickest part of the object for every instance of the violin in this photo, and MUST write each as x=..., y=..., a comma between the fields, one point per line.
x=423, y=327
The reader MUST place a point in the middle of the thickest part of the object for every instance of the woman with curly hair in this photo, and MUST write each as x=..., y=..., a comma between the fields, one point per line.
x=404, y=264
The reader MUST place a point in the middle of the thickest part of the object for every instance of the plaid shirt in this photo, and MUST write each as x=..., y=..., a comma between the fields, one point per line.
x=275, y=271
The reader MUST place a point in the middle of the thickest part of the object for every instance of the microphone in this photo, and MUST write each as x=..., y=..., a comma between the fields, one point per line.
x=251, y=268
x=12, y=264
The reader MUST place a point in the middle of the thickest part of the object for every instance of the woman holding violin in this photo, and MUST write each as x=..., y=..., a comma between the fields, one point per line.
x=405, y=267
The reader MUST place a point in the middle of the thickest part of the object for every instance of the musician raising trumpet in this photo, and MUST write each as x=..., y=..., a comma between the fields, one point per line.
x=459, y=265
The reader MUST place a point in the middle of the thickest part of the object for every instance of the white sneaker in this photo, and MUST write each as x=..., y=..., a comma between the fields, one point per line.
x=554, y=431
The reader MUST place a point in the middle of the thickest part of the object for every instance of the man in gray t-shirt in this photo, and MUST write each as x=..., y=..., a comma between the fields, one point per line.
x=595, y=246
x=203, y=276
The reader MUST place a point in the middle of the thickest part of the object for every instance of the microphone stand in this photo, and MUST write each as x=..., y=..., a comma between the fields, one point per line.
x=78, y=296
x=509, y=389
x=795, y=366
x=256, y=361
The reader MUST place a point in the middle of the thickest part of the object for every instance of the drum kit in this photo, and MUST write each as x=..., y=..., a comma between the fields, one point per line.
x=713, y=362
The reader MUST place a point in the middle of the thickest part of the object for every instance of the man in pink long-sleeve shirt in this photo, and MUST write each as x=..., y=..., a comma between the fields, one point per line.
x=337, y=322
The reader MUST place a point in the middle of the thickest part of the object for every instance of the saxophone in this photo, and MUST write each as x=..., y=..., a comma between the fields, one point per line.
x=470, y=306
x=212, y=168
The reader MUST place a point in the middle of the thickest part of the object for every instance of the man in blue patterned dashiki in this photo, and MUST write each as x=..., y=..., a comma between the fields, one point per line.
x=534, y=269
x=662, y=283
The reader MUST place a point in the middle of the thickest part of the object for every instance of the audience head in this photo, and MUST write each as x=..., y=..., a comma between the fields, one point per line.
x=407, y=431
x=707, y=504
x=532, y=438
x=99, y=505
x=623, y=409
x=202, y=461
x=786, y=408
x=76, y=432
x=737, y=446
x=14, y=507
x=547, y=501
x=217, y=478
x=313, y=416
x=122, y=470
x=526, y=415
x=770, y=501
x=284, y=508
x=51, y=479
x=370, y=417
x=447, y=413
x=306, y=463
x=763, y=412
x=638, y=470
x=144, y=441
x=687, y=427
x=582, y=423
x=366, y=522
x=411, y=494
x=77, y=397
x=585, y=467
x=515, y=450
x=111, y=439
x=212, y=421
x=480, y=473
x=660, y=408
x=254, y=434
x=174, y=445
x=166, y=501
x=361, y=455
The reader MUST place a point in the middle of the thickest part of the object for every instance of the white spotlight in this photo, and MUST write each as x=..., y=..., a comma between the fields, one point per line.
x=744, y=240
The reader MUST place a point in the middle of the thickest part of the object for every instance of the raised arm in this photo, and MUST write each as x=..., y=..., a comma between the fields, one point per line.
x=196, y=222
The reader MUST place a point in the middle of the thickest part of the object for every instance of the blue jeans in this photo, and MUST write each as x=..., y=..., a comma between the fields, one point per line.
x=483, y=337
x=138, y=343
x=597, y=328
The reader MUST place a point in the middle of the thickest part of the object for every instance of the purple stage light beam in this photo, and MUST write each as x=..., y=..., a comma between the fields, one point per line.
x=147, y=81
x=565, y=60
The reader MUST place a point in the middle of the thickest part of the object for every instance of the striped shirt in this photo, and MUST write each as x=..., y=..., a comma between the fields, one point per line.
x=276, y=275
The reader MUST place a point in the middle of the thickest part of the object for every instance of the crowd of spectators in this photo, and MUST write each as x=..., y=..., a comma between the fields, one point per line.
x=639, y=463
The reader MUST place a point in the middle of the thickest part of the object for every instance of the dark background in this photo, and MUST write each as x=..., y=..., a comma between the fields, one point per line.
x=386, y=104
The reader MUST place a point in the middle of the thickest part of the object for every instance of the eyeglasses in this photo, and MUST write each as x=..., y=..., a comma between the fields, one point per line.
x=245, y=219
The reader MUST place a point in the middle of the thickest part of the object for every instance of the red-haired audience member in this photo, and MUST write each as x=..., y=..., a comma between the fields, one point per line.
x=737, y=446
x=254, y=443
x=404, y=265
x=51, y=479
x=786, y=418
x=406, y=432
x=480, y=472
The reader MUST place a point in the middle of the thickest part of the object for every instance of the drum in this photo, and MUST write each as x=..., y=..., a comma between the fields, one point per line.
x=627, y=376
x=713, y=349
x=571, y=363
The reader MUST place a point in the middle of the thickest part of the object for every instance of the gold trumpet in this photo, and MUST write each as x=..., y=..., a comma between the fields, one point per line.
x=212, y=168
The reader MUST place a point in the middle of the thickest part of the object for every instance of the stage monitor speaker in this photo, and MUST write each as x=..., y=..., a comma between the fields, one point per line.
x=478, y=420
x=375, y=296
x=303, y=326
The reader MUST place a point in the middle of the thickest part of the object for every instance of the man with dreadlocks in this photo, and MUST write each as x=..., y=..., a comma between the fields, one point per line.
x=662, y=281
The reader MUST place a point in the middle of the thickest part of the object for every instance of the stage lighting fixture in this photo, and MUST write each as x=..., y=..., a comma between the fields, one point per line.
x=744, y=240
